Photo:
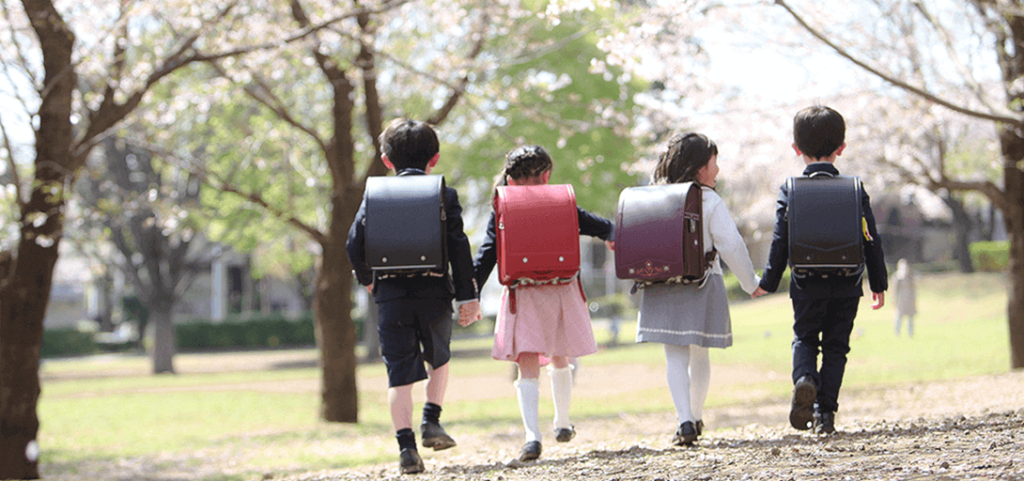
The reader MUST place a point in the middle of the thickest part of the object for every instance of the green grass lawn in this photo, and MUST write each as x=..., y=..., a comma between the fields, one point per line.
x=960, y=331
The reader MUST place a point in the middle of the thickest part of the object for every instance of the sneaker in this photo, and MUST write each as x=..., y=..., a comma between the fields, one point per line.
x=410, y=462
x=564, y=435
x=686, y=435
x=824, y=422
x=801, y=411
x=530, y=451
x=435, y=437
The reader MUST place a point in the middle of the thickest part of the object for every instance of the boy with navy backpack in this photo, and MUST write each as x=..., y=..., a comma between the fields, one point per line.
x=825, y=302
x=415, y=309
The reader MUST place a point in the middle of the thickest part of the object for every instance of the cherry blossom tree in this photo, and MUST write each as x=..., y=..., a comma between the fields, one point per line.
x=77, y=70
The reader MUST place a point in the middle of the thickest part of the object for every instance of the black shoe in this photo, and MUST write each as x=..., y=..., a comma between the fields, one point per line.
x=824, y=422
x=530, y=451
x=564, y=435
x=700, y=427
x=801, y=411
x=435, y=437
x=686, y=435
x=410, y=462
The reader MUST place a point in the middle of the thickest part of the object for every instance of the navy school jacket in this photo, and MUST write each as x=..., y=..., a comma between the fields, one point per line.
x=460, y=259
x=487, y=254
x=816, y=287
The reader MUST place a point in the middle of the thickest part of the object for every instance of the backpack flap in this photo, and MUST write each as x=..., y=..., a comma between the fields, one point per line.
x=405, y=224
x=659, y=234
x=538, y=234
x=825, y=225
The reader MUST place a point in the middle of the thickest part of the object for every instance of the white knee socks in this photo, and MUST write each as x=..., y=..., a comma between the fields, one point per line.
x=528, y=393
x=700, y=379
x=561, y=391
x=677, y=362
x=688, y=370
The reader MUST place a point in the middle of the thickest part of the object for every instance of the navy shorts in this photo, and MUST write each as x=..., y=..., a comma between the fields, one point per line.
x=413, y=332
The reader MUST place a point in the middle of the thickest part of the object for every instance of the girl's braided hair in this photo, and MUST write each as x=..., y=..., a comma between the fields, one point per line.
x=686, y=155
x=524, y=162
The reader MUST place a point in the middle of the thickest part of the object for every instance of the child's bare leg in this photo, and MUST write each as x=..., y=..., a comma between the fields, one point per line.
x=400, y=403
x=437, y=384
x=529, y=365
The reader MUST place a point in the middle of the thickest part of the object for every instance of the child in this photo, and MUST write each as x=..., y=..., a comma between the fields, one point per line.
x=550, y=320
x=415, y=311
x=823, y=307
x=906, y=296
x=690, y=318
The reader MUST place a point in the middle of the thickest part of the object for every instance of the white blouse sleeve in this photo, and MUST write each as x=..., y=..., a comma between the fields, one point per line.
x=727, y=239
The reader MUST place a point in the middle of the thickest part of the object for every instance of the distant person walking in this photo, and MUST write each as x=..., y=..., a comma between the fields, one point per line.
x=905, y=285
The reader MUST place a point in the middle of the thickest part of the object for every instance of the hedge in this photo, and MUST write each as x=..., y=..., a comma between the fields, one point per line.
x=67, y=341
x=990, y=256
x=265, y=331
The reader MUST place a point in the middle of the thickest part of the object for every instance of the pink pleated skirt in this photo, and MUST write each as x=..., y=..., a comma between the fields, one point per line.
x=551, y=320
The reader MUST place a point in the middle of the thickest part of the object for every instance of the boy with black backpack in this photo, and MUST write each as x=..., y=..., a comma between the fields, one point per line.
x=414, y=301
x=825, y=296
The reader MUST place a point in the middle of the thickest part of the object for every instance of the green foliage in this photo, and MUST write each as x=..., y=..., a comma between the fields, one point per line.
x=547, y=95
x=67, y=342
x=274, y=330
x=991, y=256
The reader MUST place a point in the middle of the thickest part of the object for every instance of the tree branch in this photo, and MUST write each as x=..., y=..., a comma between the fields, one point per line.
x=460, y=88
x=222, y=185
x=12, y=165
x=896, y=82
x=374, y=113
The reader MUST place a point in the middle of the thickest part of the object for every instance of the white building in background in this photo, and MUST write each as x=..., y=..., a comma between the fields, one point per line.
x=226, y=288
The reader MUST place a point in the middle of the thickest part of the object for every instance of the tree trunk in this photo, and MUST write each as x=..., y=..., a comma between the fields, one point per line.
x=335, y=331
x=165, y=343
x=1014, y=216
x=23, y=303
x=962, y=228
x=24, y=299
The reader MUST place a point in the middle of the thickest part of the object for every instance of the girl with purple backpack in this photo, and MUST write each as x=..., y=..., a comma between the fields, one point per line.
x=690, y=318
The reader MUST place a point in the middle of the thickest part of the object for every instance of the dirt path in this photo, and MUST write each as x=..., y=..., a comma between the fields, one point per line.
x=962, y=429
x=965, y=429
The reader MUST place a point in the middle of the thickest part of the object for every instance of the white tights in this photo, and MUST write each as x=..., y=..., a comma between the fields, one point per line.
x=688, y=370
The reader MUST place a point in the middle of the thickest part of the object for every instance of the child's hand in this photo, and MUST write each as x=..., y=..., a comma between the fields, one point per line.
x=610, y=244
x=879, y=298
x=758, y=293
x=469, y=313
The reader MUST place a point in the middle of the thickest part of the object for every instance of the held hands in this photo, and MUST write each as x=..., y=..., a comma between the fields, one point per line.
x=469, y=313
x=758, y=293
x=610, y=244
x=879, y=298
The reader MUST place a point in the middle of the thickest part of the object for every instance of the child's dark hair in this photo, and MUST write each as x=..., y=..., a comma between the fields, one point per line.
x=686, y=155
x=409, y=143
x=818, y=131
x=524, y=162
